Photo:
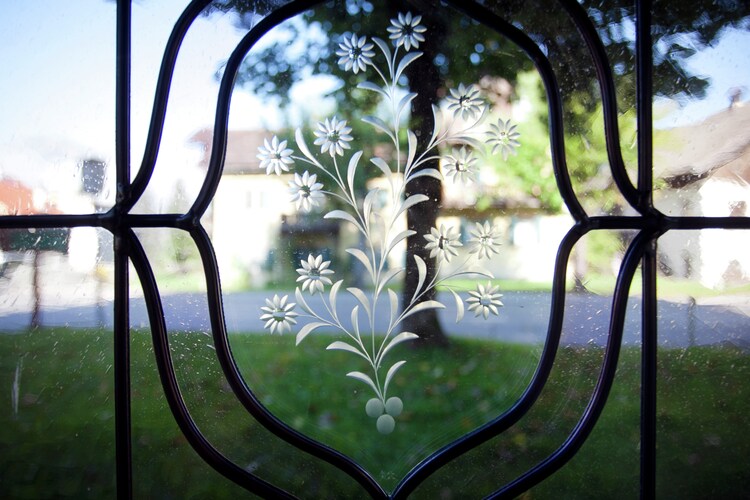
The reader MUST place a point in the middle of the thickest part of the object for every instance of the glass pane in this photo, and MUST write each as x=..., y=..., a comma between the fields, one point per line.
x=57, y=427
x=57, y=133
x=703, y=406
x=702, y=76
x=276, y=228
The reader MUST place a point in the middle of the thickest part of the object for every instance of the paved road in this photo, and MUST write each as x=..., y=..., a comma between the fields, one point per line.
x=524, y=318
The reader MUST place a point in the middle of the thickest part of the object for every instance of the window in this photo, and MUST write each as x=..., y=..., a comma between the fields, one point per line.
x=562, y=195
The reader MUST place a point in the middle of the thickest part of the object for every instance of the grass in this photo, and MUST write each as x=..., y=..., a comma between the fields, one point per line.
x=60, y=441
x=668, y=288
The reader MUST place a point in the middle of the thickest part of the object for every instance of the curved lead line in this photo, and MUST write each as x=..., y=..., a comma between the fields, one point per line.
x=171, y=388
x=219, y=144
x=543, y=66
x=503, y=422
x=246, y=396
x=609, y=99
x=603, y=385
x=161, y=98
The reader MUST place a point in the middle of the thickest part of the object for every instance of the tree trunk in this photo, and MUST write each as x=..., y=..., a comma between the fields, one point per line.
x=425, y=80
x=36, y=321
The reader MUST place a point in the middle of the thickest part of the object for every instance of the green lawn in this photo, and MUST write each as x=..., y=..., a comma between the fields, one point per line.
x=59, y=440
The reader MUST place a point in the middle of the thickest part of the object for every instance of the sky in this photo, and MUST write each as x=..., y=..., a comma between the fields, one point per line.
x=58, y=87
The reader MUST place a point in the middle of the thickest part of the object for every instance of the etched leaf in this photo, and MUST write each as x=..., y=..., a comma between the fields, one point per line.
x=422, y=306
x=380, y=125
x=394, y=305
x=386, y=51
x=351, y=171
x=362, y=298
x=340, y=214
x=401, y=337
x=408, y=98
x=387, y=277
x=422, y=269
x=360, y=256
x=367, y=205
x=469, y=141
x=478, y=271
x=459, y=306
x=398, y=239
x=436, y=123
x=364, y=378
x=391, y=372
x=302, y=145
x=343, y=346
x=383, y=166
x=373, y=87
x=301, y=301
x=355, y=320
x=410, y=202
x=333, y=294
x=406, y=61
x=425, y=172
x=307, y=329
x=412, y=149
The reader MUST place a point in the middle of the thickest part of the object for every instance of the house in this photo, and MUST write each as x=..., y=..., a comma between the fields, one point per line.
x=705, y=171
x=248, y=211
x=248, y=198
x=79, y=245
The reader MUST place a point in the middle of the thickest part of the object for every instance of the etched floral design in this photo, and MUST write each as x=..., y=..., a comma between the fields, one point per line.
x=405, y=30
x=442, y=243
x=460, y=165
x=503, y=136
x=485, y=240
x=333, y=136
x=455, y=141
x=465, y=102
x=274, y=156
x=355, y=53
x=314, y=274
x=484, y=300
x=278, y=314
x=306, y=192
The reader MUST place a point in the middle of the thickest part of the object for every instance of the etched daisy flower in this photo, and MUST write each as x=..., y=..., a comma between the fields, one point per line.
x=484, y=300
x=442, y=243
x=275, y=156
x=503, y=136
x=333, y=136
x=305, y=191
x=407, y=31
x=313, y=273
x=355, y=53
x=465, y=101
x=484, y=240
x=278, y=314
x=460, y=165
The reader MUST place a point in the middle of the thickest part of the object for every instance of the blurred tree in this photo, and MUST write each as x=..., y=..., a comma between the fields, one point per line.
x=457, y=47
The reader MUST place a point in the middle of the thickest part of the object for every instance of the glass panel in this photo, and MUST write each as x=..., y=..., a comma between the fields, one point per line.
x=703, y=406
x=57, y=132
x=185, y=145
x=269, y=226
x=700, y=147
x=57, y=427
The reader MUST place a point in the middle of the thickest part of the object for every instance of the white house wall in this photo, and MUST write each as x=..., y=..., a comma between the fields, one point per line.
x=247, y=215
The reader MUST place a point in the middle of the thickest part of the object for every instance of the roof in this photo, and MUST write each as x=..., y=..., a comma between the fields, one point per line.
x=18, y=199
x=719, y=146
x=242, y=149
x=15, y=198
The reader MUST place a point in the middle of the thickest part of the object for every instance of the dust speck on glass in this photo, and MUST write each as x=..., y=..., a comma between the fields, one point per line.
x=460, y=137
